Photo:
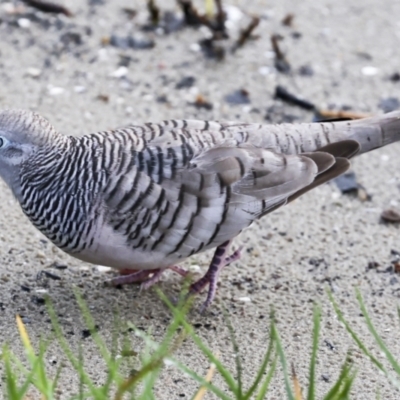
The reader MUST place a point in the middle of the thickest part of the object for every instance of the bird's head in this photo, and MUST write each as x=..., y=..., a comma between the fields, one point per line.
x=23, y=135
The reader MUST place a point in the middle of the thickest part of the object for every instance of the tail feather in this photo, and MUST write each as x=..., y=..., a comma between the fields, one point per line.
x=375, y=132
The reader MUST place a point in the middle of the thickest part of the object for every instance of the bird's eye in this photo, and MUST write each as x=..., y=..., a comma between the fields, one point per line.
x=3, y=142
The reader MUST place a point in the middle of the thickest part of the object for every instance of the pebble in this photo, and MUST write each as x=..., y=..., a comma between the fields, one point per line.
x=265, y=71
x=238, y=97
x=389, y=104
x=55, y=90
x=40, y=254
x=24, y=23
x=79, y=89
x=186, y=82
x=119, y=72
x=391, y=215
x=103, y=269
x=195, y=47
x=244, y=299
x=34, y=72
x=369, y=70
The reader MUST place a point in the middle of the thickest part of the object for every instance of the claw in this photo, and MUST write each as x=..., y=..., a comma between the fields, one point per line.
x=218, y=262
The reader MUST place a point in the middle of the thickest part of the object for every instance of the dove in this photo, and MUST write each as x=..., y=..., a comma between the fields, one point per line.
x=145, y=197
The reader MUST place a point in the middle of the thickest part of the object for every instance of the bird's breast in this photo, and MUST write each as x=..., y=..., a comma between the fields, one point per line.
x=110, y=248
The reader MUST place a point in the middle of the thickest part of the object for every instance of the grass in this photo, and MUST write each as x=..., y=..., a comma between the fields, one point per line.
x=24, y=377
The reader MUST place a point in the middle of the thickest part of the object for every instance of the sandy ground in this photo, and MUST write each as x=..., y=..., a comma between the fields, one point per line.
x=323, y=239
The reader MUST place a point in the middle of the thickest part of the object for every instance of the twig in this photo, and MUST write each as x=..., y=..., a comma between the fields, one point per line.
x=202, y=391
x=48, y=7
x=288, y=20
x=245, y=34
x=283, y=94
x=154, y=12
x=192, y=16
x=296, y=384
x=220, y=19
x=332, y=114
x=281, y=63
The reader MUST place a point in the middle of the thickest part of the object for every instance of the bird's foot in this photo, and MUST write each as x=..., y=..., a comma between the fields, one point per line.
x=143, y=276
x=219, y=261
x=135, y=277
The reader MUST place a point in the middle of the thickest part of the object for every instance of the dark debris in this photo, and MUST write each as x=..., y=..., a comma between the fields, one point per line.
x=48, y=7
x=240, y=96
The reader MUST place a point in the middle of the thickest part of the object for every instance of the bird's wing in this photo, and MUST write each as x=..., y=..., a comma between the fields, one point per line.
x=193, y=189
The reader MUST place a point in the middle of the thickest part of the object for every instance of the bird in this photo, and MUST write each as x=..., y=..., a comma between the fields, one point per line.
x=145, y=197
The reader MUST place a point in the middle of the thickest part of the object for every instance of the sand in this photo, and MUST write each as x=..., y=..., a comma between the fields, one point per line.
x=324, y=239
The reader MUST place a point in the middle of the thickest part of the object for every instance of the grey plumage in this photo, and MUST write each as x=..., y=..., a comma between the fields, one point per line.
x=146, y=197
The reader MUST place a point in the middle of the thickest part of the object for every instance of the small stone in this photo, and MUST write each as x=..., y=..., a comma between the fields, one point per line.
x=186, y=82
x=139, y=42
x=306, y=70
x=391, y=215
x=34, y=72
x=244, y=299
x=40, y=255
x=54, y=90
x=238, y=97
x=265, y=70
x=395, y=77
x=369, y=70
x=393, y=281
x=103, y=269
x=119, y=72
x=24, y=23
x=389, y=104
x=347, y=183
x=79, y=89
x=195, y=47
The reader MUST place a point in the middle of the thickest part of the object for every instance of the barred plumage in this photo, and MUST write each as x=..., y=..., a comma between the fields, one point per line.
x=146, y=197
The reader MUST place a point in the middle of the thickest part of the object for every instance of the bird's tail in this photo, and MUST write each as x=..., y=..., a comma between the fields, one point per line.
x=373, y=132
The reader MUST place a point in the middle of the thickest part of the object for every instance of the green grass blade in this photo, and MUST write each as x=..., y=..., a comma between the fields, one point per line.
x=262, y=368
x=199, y=379
x=76, y=363
x=376, y=336
x=336, y=389
x=354, y=335
x=313, y=361
x=11, y=384
x=265, y=386
x=239, y=369
x=282, y=358
x=230, y=381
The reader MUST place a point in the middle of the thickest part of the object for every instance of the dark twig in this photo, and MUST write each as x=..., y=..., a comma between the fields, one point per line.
x=245, y=34
x=283, y=94
x=48, y=7
x=192, y=16
x=154, y=12
x=288, y=20
x=281, y=63
x=220, y=19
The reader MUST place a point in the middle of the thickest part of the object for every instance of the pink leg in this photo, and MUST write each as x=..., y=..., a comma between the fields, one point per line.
x=218, y=262
x=179, y=270
x=142, y=276
x=148, y=283
x=136, y=277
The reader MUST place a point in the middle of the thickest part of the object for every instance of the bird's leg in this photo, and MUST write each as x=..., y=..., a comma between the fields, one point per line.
x=179, y=270
x=135, y=277
x=142, y=276
x=218, y=262
x=148, y=283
